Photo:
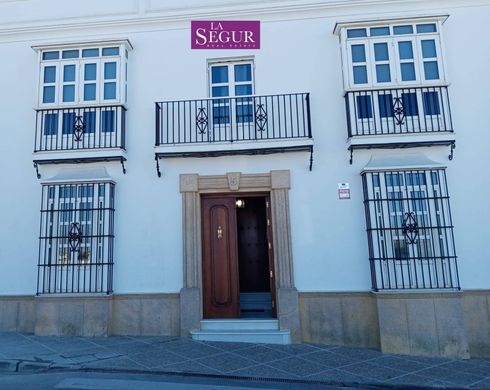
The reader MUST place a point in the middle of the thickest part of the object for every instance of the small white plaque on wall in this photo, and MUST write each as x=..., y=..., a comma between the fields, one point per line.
x=344, y=191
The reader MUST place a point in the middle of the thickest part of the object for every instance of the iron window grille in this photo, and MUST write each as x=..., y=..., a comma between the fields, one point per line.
x=410, y=230
x=76, y=242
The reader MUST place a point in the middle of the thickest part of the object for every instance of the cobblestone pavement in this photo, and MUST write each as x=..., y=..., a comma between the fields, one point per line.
x=299, y=362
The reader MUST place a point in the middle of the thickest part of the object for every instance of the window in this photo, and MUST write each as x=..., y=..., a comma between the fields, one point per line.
x=410, y=232
x=394, y=78
x=74, y=76
x=232, y=79
x=76, y=238
x=394, y=54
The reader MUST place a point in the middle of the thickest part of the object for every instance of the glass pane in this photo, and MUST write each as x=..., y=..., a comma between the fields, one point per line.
x=243, y=89
x=108, y=121
x=48, y=94
x=243, y=72
x=89, y=92
x=221, y=115
x=51, y=55
x=408, y=71
x=399, y=30
x=383, y=73
x=109, y=70
x=50, y=74
x=69, y=73
x=379, y=31
x=220, y=91
x=68, y=93
x=356, y=33
x=358, y=53
x=364, y=107
x=409, y=101
x=90, y=72
x=431, y=71
x=426, y=28
x=394, y=179
x=89, y=121
x=244, y=113
x=68, y=122
x=110, y=51
x=70, y=54
x=385, y=103
x=431, y=103
x=405, y=49
x=50, y=124
x=381, y=52
x=429, y=48
x=435, y=178
x=109, y=91
x=219, y=74
x=360, y=75
x=90, y=52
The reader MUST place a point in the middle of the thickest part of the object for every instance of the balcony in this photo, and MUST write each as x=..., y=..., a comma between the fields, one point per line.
x=80, y=134
x=399, y=118
x=233, y=125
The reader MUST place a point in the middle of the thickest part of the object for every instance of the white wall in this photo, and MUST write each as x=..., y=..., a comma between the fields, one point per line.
x=299, y=54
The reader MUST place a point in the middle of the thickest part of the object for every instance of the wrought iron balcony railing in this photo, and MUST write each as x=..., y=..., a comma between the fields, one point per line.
x=80, y=128
x=231, y=119
x=407, y=110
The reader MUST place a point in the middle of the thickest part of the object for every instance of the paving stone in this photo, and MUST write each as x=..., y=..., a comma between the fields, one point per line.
x=410, y=379
x=453, y=377
x=116, y=363
x=357, y=353
x=112, y=340
x=84, y=359
x=33, y=366
x=339, y=376
x=261, y=354
x=327, y=359
x=263, y=371
x=8, y=365
x=298, y=366
x=156, y=358
x=294, y=349
x=372, y=371
x=226, y=362
x=398, y=363
x=484, y=384
x=189, y=366
x=471, y=367
x=226, y=346
x=191, y=350
x=80, y=352
x=104, y=354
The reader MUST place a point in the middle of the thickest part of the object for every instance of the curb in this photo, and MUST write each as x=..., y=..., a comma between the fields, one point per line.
x=21, y=366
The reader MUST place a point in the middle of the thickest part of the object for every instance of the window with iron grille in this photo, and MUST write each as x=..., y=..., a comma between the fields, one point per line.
x=76, y=238
x=409, y=229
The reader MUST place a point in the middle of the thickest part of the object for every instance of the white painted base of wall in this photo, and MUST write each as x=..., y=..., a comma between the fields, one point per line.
x=247, y=330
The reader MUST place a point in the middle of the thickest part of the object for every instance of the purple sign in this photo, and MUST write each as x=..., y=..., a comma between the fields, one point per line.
x=225, y=34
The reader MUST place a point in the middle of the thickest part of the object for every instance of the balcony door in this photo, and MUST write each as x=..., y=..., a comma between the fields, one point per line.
x=232, y=84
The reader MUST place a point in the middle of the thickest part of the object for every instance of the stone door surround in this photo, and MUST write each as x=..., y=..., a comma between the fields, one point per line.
x=277, y=183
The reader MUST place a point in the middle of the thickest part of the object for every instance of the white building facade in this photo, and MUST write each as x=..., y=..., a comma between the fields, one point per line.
x=313, y=183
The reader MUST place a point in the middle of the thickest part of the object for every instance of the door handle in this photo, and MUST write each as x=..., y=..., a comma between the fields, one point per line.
x=220, y=233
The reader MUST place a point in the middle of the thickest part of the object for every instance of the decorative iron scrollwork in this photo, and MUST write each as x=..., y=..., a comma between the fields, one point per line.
x=75, y=236
x=410, y=228
x=202, y=120
x=78, y=128
x=260, y=117
x=399, y=111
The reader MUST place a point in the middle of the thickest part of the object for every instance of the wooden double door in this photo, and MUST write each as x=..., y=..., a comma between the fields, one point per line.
x=237, y=252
